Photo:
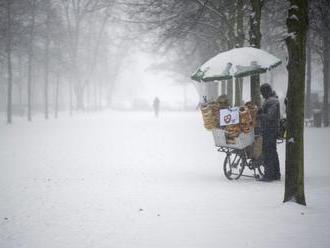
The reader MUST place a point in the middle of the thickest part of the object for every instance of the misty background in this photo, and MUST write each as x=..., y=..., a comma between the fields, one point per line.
x=84, y=55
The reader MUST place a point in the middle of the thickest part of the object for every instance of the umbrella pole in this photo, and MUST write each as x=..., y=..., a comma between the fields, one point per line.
x=238, y=91
x=230, y=91
x=223, y=87
x=234, y=91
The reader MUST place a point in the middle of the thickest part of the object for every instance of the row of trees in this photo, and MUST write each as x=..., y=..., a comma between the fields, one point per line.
x=66, y=53
x=318, y=48
x=59, y=54
x=192, y=31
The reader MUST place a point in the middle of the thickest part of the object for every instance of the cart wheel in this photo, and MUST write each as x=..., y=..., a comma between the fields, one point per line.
x=233, y=166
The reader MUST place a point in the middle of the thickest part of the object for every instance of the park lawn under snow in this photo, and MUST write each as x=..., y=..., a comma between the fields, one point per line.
x=128, y=179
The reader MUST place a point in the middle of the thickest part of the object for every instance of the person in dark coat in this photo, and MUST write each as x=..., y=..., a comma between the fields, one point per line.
x=269, y=116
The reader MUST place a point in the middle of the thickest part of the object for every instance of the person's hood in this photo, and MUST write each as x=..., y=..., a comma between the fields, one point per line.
x=266, y=90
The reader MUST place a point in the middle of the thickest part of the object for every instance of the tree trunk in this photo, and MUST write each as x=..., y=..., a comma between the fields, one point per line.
x=326, y=78
x=308, y=77
x=30, y=61
x=46, y=61
x=46, y=75
x=239, y=23
x=29, y=84
x=57, y=94
x=73, y=22
x=255, y=41
x=255, y=89
x=100, y=97
x=95, y=96
x=79, y=93
x=20, y=84
x=71, y=98
x=3, y=92
x=9, y=62
x=297, y=23
x=9, y=95
x=88, y=96
x=239, y=43
x=185, y=100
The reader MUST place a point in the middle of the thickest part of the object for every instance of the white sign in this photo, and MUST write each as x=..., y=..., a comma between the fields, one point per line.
x=229, y=116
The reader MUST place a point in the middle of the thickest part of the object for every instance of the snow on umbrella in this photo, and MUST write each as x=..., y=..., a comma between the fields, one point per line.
x=237, y=62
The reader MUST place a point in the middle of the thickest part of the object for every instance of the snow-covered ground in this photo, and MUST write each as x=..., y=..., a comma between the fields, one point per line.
x=130, y=180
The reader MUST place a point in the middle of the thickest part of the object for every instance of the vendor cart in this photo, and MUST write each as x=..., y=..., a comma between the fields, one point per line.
x=233, y=128
x=242, y=150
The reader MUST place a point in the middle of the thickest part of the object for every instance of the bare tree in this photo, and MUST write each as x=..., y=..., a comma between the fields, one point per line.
x=320, y=28
x=11, y=26
x=9, y=48
x=240, y=36
x=32, y=5
x=46, y=56
x=255, y=41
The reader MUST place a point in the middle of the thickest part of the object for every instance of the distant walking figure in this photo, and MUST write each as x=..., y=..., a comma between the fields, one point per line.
x=155, y=105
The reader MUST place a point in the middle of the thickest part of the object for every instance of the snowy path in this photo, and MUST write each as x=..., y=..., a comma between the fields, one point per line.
x=129, y=180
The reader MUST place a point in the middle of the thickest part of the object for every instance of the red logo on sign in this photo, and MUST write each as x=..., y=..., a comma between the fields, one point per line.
x=227, y=118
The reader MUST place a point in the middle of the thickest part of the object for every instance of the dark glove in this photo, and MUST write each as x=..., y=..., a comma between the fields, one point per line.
x=257, y=131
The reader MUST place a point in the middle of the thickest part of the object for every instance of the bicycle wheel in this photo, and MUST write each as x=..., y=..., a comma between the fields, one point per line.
x=233, y=166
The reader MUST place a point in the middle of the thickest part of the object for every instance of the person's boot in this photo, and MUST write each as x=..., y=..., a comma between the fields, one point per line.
x=277, y=177
x=265, y=179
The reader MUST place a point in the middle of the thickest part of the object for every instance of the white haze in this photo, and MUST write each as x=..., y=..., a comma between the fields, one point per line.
x=138, y=83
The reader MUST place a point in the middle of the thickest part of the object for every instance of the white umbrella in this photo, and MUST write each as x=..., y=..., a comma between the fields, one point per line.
x=237, y=62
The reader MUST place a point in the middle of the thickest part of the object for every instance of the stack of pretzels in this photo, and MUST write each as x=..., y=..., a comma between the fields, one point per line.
x=245, y=119
x=253, y=109
x=210, y=112
x=247, y=114
x=210, y=119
